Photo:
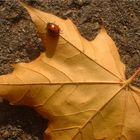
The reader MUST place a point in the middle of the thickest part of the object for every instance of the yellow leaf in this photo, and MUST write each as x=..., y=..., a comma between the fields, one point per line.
x=81, y=89
x=96, y=50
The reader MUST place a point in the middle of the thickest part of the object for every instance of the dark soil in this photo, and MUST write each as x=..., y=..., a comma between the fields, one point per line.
x=19, y=43
x=20, y=123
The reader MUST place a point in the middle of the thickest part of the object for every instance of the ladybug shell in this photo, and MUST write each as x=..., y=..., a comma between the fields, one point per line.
x=53, y=29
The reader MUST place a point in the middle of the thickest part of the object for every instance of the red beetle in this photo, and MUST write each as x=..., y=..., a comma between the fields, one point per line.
x=53, y=29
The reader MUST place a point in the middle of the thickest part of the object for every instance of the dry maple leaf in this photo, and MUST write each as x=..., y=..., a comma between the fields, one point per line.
x=81, y=89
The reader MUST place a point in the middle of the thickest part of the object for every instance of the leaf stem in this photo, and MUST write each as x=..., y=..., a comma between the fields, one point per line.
x=136, y=73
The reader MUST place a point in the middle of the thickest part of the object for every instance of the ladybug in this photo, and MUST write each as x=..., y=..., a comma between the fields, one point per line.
x=53, y=29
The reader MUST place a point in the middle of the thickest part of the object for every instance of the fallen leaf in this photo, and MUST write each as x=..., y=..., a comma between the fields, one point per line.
x=96, y=50
x=81, y=89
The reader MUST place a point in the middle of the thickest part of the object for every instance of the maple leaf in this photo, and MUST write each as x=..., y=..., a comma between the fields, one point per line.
x=81, y=88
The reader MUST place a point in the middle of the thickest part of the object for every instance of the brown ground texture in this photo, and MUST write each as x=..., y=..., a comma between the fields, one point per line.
x=19, y=43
